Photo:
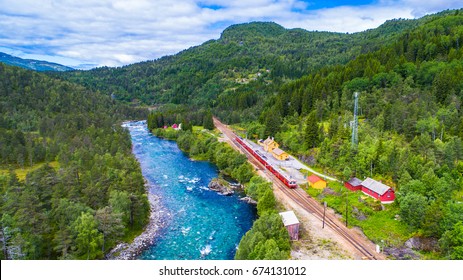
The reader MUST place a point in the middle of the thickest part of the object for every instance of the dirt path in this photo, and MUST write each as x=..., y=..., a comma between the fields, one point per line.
x=326, y=177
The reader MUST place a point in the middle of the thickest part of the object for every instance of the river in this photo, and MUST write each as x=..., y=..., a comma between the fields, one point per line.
x=200, y=223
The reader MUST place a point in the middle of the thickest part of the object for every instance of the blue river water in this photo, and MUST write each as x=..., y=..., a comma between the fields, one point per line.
x=201, y=224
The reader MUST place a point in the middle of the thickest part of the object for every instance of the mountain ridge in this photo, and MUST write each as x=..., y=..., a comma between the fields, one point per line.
x=32, y=64
x=242, y=51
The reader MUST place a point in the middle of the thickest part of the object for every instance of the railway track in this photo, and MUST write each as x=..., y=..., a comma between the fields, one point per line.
x=301, y=198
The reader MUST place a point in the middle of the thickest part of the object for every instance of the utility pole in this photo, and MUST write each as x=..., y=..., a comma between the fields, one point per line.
x=355, y=130
x=371, y=168
x=355, y=121
x=324, y=210
x=347, y=204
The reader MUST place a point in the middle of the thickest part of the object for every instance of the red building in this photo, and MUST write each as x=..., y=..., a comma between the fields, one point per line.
x=354, y=184
x=378, y=190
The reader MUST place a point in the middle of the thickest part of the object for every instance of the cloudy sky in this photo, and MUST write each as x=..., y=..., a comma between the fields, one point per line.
x=88, y=33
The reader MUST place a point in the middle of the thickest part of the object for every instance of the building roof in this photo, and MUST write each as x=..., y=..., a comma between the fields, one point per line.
x=355, y=181
x=375, y=186
x=313, y=178
x=289, y=218
x=278, y=151
x=269, y=141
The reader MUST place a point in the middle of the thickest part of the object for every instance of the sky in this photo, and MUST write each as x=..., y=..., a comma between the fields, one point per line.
x=90, y=33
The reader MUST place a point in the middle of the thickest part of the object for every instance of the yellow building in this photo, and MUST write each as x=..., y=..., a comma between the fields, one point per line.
x=269, y=144
x=315, y=182
x=280, y=154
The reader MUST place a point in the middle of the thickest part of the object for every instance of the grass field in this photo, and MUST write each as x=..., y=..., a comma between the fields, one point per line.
x=22, y=172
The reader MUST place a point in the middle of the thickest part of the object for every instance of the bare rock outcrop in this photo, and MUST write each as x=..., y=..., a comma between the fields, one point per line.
x=220, y=186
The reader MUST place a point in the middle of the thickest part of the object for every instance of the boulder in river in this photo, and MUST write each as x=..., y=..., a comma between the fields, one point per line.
x=249, y=200
x=220, y=186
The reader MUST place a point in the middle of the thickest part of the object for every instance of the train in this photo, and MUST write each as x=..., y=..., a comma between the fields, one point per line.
x=289, y=182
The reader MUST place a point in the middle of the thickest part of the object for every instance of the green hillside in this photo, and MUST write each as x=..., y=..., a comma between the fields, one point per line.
x=260, y=54
x=410, y=132
x=82, y=181
x=292, y=84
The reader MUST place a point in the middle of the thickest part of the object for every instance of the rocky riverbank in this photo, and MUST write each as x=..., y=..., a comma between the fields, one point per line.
x=124, y=251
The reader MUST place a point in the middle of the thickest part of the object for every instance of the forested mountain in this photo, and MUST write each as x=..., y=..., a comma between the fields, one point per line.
x=255, y=57
x=299, y=85
x=85, y=190
x=238, y=71
x=292, y=84
x=32, y=64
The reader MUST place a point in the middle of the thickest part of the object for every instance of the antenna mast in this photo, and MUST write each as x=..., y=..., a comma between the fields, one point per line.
x=355, y=121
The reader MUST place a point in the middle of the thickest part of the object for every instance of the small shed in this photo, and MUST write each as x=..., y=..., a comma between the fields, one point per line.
x=316, y=182
x=280, y=154
x=378, y=190
x=354, y=184
x=291, y=223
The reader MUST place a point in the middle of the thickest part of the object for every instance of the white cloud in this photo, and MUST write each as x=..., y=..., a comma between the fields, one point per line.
x=420, y=8
x=347, y=19
x=118, y=32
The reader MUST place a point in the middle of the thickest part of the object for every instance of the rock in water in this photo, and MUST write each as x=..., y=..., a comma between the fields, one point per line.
x=249, y=200
x=217, y=185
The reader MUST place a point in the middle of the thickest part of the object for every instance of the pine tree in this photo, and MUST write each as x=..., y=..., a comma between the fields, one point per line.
x=208, y=123
x=311, y=131
x=109, y=224
x=272, y=123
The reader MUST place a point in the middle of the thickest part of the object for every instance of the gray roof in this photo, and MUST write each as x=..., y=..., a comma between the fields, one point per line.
x=355, y=181
x=289, y=218
x=375, y=186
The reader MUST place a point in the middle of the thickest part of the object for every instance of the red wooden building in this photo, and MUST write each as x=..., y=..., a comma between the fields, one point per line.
x=291, y=223
x=354, y=184
x=378, y=190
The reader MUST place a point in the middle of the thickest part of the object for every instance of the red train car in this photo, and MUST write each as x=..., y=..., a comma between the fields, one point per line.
x=289, y=182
